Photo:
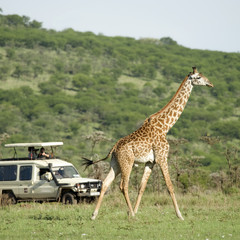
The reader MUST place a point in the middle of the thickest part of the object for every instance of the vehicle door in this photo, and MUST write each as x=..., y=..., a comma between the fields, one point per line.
x=25, y=181
x=44, y=187
x=8, y=178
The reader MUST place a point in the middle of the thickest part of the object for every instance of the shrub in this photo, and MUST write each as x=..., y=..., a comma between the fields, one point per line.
x=81, y=80
x=230, y=129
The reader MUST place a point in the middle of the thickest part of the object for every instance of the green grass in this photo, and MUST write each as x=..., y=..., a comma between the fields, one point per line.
x=213, y=216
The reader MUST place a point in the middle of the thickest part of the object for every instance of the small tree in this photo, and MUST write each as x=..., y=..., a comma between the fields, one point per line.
x=99, y=170
x=96, y=137
x=232, y=158
x=3, y=138
x=174, y=157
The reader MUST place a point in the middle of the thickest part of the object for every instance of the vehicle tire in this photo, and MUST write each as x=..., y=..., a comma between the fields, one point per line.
x=69, y=198
x=8, y=199
x=11, y=198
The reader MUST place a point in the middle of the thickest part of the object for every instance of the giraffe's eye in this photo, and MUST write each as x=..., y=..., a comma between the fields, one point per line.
x=198, y=77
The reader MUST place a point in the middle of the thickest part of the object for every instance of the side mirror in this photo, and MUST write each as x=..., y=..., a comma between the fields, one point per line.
x=50, y=166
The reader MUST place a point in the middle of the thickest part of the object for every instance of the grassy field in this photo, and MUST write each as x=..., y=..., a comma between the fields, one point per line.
x=213, y=216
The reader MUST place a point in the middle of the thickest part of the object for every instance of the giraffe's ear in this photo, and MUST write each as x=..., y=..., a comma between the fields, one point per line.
x=194, y=70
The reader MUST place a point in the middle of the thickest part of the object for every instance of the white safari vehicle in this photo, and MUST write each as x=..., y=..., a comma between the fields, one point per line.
x=43, y=179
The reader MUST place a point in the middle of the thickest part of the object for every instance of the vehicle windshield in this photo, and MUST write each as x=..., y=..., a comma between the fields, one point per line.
x=65, y=172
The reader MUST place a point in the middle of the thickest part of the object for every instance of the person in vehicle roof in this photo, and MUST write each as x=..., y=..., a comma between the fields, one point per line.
x=42, y=154
x=32, y=153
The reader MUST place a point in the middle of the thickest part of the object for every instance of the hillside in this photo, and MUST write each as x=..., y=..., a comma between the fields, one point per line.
x=89, y=90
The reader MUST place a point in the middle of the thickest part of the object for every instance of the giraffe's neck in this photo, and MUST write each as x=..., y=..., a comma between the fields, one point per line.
x=168, y=116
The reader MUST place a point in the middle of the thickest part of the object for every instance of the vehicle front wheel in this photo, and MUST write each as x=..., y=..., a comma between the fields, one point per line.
x=69, y=198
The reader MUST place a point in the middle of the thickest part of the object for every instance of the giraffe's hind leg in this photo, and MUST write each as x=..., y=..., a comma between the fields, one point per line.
x=124, y=184
x=114, y=171
x=147, y=172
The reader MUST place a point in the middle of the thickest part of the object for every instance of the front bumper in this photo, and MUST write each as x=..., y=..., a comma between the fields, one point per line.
x=88, y=194
x=89, y=189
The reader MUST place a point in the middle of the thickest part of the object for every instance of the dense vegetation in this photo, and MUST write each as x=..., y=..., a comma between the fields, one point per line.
x=89, y=90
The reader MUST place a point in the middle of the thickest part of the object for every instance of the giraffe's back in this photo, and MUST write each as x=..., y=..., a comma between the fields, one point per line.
x=136, y=146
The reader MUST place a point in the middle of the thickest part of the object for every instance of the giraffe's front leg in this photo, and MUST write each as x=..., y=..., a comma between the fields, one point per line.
x=169, y=184
x=161, y=159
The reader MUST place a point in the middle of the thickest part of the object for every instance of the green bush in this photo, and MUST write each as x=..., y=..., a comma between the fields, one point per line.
x=184, y=180
x=229, y=129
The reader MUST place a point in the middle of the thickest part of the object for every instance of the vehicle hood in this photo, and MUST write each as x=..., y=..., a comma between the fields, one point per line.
x=73, y=181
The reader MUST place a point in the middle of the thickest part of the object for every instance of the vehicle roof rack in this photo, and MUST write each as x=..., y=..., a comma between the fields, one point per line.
x=41, y=144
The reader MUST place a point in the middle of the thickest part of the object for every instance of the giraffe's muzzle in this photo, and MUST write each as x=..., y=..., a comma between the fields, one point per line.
x=210, y=85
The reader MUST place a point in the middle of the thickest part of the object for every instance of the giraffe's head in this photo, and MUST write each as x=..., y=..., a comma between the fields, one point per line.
x=198, y=78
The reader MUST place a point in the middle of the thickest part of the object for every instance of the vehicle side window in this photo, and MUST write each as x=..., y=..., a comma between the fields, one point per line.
x=45, y=174
x=8, y=173
x=25, y=173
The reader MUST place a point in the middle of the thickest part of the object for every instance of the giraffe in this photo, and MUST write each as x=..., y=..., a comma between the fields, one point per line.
x=148, y=145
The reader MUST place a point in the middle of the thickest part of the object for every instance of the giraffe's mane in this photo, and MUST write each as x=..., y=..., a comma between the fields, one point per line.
x=170, y=102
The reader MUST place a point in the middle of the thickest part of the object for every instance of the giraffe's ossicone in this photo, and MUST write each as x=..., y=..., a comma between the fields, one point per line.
x=148, y=145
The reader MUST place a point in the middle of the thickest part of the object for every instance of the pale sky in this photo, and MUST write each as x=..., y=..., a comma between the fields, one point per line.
x=202, y=24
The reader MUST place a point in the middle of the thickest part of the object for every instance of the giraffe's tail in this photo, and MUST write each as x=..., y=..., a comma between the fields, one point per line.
x=87, y=162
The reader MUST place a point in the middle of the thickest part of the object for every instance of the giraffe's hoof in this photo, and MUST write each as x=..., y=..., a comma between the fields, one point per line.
x=93, y=216
x=180, y=217
x=131, y=214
